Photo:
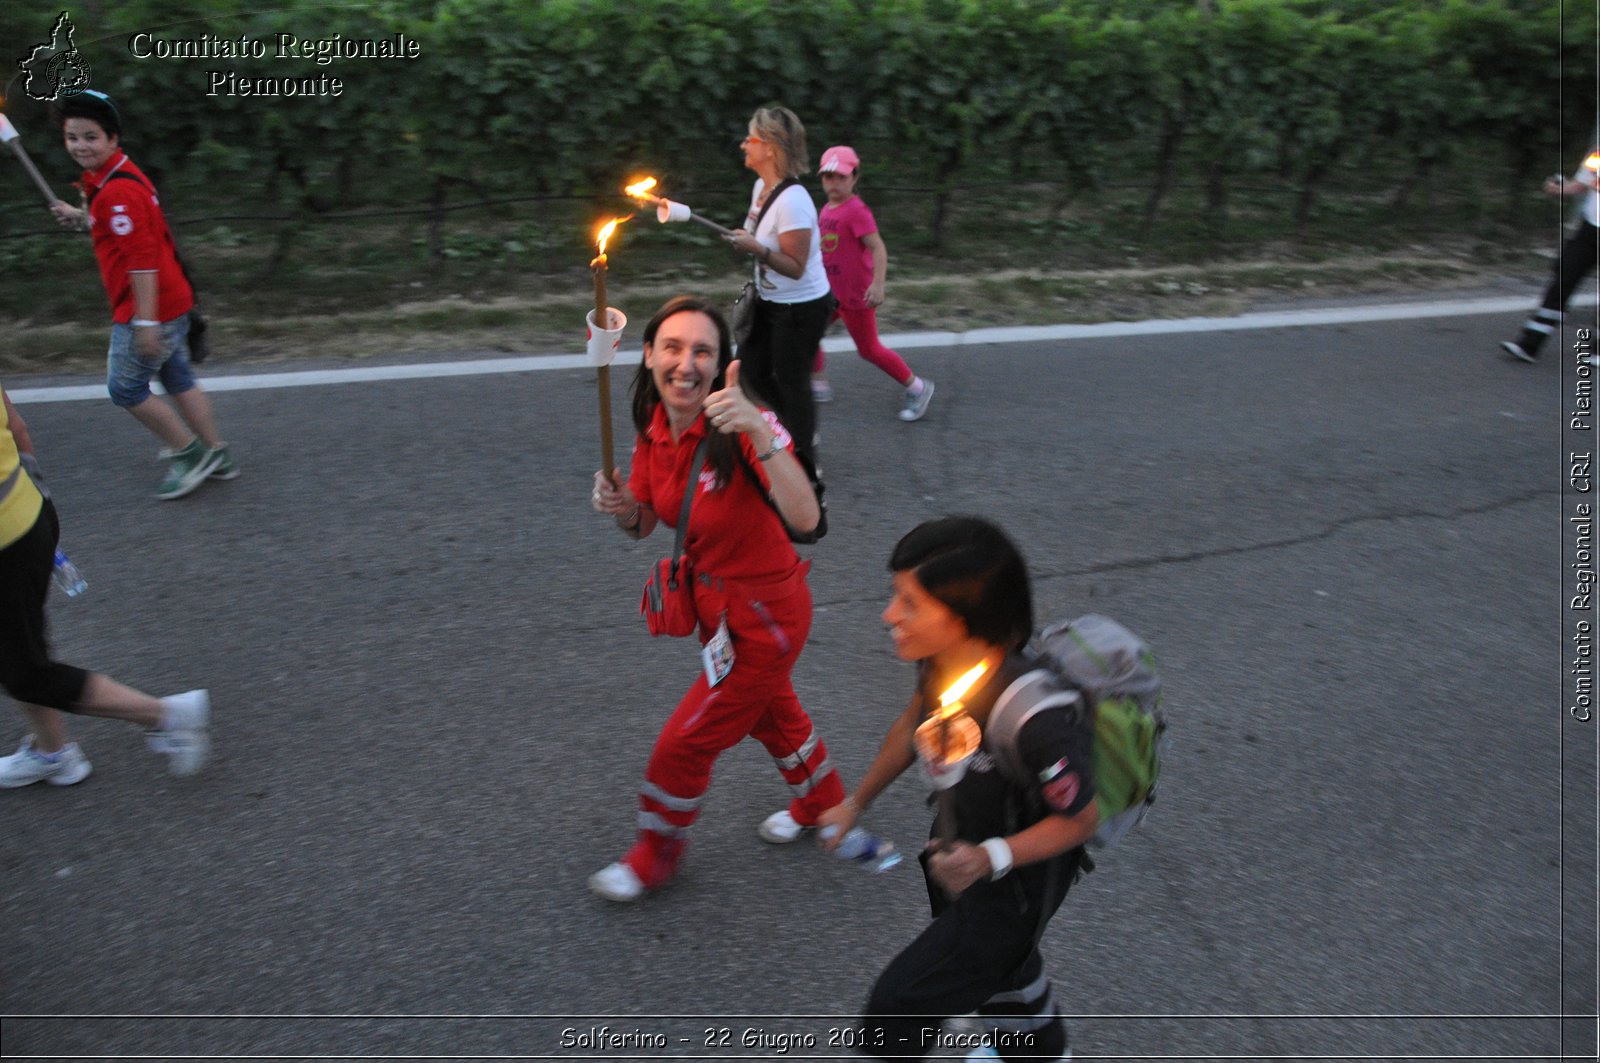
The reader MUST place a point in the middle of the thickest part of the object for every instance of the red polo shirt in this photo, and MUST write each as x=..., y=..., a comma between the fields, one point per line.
x=131, y=236
x=734, y=532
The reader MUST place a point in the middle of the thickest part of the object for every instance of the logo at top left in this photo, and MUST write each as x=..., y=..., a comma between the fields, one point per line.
x=55, y=68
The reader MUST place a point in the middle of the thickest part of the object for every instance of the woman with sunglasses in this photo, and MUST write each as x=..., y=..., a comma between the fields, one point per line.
x=794, y=303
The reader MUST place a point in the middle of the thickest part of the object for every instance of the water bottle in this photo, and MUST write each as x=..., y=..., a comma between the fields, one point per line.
x=870, y=851
x=68, y=578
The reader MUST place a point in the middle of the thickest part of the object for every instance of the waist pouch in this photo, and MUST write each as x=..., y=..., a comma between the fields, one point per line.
x=668, y=603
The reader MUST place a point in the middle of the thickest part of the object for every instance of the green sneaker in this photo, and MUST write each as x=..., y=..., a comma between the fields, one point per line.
x=225, y=468
x=190, y=466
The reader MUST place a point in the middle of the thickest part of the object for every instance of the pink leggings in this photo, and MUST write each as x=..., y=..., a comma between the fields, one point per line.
x=863, y=328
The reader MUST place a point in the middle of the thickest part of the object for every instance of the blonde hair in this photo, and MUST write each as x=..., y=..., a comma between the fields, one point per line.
x=783, y=132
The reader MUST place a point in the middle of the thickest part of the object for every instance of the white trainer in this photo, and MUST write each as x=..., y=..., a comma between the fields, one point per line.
x=617, y=882
x=27, y=766
x=184, y=735
x=917, y=405
x=781, y=829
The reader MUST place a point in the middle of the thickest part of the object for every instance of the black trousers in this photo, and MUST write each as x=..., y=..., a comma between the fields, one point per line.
x=1577, y=259
x=26, y=671
x=777, y=363
x=980, y=954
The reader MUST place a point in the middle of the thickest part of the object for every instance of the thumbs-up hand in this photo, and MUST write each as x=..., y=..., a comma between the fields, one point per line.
x=730, y=410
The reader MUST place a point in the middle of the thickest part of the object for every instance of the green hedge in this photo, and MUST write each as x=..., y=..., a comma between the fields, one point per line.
x=568, y=97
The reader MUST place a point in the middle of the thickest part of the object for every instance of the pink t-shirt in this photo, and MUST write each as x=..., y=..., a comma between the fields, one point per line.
x=847, y=260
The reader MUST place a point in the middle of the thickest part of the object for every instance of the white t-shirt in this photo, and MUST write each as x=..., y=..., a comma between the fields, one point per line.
x=792, y=210
x=1591, y=199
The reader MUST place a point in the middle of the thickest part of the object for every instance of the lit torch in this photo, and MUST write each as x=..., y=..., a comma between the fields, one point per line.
x=9, y=134
x=947, y=740
x=1592, y=164
x=604, y=335
x=667, y=210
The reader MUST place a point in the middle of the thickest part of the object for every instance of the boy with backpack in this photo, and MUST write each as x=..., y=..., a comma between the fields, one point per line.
x=1016, y=812
x=150, y=296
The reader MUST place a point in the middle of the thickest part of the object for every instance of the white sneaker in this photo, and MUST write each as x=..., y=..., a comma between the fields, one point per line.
x=1517, y=351
x=780, y=828
x=27, y=766
x=184, y=734
x=617, y=882
x=917, y=405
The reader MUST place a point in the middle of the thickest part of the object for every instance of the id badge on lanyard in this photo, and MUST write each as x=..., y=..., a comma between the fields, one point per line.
x=717, y=653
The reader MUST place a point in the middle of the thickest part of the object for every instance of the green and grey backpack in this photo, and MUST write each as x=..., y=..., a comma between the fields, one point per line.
x=1092, y=665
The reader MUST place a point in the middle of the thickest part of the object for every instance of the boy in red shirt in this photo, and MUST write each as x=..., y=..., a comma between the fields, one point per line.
x=150, y=295
x=857, y=263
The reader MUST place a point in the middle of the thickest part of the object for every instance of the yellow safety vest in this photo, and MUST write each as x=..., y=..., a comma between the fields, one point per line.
x=20, y=500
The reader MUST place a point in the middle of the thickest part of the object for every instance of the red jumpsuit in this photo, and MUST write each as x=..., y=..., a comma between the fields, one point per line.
x=747, y=571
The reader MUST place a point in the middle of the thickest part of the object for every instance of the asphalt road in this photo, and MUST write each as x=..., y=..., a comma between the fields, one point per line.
x=434, y=697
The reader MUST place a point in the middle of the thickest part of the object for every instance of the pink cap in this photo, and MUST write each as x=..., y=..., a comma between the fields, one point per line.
x=841, y=158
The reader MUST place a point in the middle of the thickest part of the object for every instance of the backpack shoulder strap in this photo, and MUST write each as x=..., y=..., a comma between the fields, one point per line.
x=1028, y=695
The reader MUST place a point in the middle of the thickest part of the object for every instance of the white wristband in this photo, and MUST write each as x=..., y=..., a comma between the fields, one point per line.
x=144, y=322
x=999, y=857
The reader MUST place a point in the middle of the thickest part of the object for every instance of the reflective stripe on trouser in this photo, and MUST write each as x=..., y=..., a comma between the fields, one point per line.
x=1538, y=328
x=757, y=700
x=807, y=769
x=1544, y=321
x=1020, y=1011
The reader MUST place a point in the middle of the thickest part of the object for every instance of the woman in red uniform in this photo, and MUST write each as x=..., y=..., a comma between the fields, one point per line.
x=750, y=592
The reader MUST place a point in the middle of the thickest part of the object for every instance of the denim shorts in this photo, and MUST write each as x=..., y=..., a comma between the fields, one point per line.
x=128, y=375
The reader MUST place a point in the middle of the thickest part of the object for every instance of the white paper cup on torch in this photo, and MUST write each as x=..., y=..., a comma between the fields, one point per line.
x=946, y=764
x=8, y=132
x=603, y=343
x=667, y=210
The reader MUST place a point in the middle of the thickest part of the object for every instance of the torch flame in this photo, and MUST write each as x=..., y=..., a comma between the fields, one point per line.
x=950, y=700
x=641, y=189
x=606, y=232
x=1593, y=161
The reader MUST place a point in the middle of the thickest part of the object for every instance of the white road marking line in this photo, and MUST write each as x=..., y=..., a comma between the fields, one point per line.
x=1336, y=315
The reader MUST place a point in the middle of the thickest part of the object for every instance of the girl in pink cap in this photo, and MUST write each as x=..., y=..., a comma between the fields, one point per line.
x=857, y=262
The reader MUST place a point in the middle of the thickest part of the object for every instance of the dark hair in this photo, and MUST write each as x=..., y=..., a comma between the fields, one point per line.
x=974, y=569
x=95, y=106
x=784, y=133
x=646, y=397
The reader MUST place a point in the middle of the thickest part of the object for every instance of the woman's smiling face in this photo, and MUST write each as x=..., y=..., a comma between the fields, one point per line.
x=683, y=363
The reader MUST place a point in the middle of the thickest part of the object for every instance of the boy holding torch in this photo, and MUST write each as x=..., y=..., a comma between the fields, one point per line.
x=150, y=296
x=1005, y=855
